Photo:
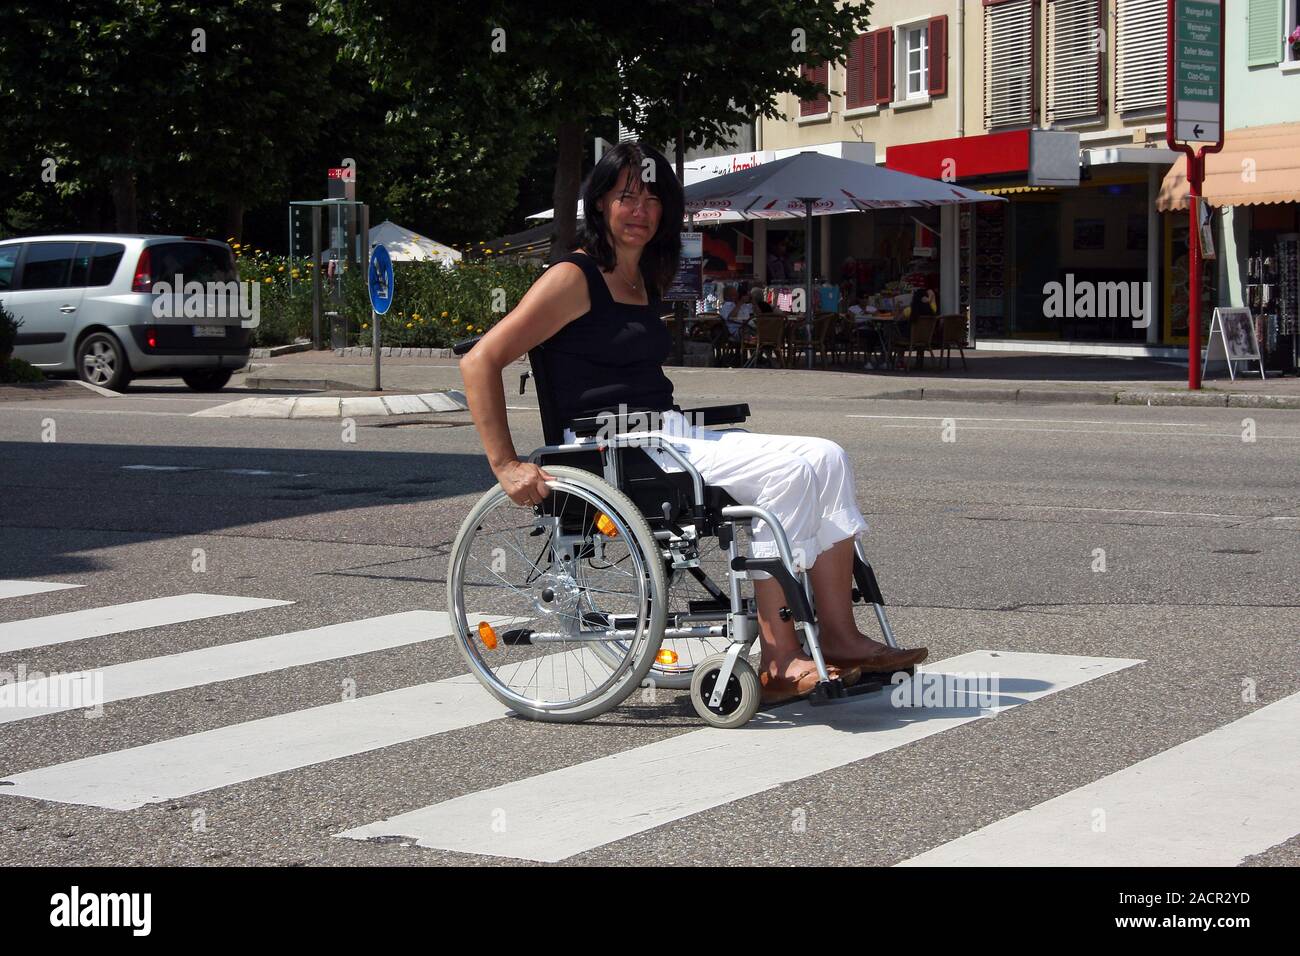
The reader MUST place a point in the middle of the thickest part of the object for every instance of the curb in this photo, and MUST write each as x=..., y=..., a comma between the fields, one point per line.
x=309, y=384
x=1090, y=396
x=362, y=406
x=395, y=351
x=274, y=350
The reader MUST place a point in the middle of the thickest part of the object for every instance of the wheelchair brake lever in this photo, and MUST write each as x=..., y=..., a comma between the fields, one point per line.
x=523, y=379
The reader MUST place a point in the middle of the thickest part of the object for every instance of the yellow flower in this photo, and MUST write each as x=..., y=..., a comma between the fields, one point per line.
x=410, y=325
x=267, y=279
x=444, y=315
x=487, y=252
x=365, y=325
x=235, y=246
x=281, y=269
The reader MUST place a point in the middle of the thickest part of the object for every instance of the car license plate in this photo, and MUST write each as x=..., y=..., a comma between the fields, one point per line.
x=209, y=331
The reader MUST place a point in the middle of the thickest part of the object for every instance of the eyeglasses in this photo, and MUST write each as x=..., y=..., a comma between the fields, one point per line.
x=638, y=201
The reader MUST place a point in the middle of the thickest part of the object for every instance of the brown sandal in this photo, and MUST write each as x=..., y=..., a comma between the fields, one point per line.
x=780, y=690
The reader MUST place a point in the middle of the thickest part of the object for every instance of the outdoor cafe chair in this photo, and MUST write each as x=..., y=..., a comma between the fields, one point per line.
x=952, y=335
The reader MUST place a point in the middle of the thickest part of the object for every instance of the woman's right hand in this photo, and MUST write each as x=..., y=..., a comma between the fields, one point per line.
x=523, y=482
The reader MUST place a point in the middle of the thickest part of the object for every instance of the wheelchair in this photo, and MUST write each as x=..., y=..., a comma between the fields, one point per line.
x=625, y=576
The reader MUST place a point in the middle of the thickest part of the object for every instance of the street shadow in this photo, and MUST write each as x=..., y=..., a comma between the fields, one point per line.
x=83, y=495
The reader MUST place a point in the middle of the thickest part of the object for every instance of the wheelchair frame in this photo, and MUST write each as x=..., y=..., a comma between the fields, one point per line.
x=732, y=615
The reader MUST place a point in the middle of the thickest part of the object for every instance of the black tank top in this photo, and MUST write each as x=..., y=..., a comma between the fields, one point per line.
x=611, y=356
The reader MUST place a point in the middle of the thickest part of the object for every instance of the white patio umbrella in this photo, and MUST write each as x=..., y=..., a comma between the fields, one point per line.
x=406, y=246
x=815, y=184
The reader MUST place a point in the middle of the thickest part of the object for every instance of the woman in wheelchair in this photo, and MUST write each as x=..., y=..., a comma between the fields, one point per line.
x=597, y=314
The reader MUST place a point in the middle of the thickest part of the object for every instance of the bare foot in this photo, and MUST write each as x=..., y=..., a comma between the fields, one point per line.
x=793, y=668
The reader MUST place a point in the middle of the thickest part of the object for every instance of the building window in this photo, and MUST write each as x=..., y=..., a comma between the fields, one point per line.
x=1009, y=54
x=1075, y=54
x=820, y=104
x=1289, y=54
x=915, y=65
x=1141, y=28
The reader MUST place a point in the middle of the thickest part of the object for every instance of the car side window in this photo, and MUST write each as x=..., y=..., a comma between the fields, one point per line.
x=47, y=265
x=81, y=264
x=108, y=256
x=8, y=262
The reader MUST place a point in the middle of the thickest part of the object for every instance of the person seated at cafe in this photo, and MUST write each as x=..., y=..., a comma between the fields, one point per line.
x=860, y=311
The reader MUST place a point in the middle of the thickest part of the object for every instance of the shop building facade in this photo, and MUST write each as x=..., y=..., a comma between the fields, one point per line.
x=1067, y=264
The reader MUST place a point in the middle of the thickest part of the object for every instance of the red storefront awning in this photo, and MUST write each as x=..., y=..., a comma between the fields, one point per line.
x=963, y=157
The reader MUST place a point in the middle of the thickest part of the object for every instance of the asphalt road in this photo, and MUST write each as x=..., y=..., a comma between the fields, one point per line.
x=989, y=541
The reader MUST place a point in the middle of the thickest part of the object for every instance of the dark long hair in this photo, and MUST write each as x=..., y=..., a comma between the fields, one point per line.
x=659, y=258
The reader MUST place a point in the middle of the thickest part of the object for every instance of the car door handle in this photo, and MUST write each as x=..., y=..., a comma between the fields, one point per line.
x=67, y=308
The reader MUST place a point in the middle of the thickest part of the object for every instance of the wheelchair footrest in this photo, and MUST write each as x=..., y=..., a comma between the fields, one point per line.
x=830, y=691
x=884, y=677
x=865, y=686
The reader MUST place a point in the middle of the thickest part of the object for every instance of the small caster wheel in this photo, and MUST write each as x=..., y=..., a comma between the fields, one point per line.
x=741, y=699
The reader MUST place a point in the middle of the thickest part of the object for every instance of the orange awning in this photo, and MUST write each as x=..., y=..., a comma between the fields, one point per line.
x=1258, y=164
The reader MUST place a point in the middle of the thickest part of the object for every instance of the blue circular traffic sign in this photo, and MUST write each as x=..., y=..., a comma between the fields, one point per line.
x=381, y=280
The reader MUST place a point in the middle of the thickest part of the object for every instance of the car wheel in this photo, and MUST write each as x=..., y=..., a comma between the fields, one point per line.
x=101, y=361
x=207, y=379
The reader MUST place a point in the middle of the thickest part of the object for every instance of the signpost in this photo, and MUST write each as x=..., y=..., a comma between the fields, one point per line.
x=1194, y=114
x=380, y=281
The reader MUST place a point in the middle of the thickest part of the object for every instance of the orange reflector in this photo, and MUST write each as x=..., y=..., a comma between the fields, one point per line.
x=606, y=525
x=665, y=656
x=487, y=635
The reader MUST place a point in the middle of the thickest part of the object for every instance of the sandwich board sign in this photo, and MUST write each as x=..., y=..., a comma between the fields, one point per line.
x=1195, y=70
x=1235, y=342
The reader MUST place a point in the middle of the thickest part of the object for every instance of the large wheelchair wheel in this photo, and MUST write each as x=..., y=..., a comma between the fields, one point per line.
x=580, y=578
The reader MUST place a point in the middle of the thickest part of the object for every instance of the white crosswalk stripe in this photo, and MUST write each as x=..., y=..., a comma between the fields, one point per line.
x=181, y=766
x=100, y=621
x=556, y=815
x=1211, y=801
x=209, y=665
x=10, y=589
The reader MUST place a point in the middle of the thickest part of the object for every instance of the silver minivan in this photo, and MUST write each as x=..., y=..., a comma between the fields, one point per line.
x=87, y=306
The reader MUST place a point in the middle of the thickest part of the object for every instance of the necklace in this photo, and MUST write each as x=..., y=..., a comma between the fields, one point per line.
x=632, y=285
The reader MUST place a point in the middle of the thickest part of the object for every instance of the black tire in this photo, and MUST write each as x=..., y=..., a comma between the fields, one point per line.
x=102, y=361
x=207, y=379
x=741, y=701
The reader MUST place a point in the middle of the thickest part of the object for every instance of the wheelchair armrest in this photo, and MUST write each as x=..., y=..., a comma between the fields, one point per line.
x=460, y=348
x=717, y=414
x=611, y=423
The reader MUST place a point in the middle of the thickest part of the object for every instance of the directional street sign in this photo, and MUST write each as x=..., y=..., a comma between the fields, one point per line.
x=1196, y=70
x=381, y=280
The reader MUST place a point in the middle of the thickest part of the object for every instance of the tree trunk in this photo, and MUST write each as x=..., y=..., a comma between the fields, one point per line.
x=234, y=219
x=124, y=201
x=568, y=180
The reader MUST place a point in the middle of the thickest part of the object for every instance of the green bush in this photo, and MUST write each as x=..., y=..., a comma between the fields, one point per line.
x=16, y=370
x=435, y=306
x=9, y=325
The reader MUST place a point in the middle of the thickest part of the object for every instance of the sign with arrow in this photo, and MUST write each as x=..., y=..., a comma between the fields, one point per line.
x=1195, y=71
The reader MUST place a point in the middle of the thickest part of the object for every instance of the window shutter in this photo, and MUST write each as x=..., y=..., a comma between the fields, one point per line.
x=1141, y=29
x=820, y=103
x=855, y=78
x=937, y=44
x=883, y=66
x=1264, y=33
x=1074, y=57
x=1008, y=63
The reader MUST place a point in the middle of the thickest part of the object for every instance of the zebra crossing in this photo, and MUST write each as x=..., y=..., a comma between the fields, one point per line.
x=1168, y=808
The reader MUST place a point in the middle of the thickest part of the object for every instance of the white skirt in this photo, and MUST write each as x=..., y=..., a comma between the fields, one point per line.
x=807, y=483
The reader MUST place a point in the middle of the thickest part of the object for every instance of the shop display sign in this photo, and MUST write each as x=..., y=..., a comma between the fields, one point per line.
x=1235, y=341
x=688, y=284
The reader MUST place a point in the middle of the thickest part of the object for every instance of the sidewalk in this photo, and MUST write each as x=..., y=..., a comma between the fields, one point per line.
x=1029, y=377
